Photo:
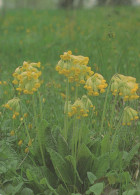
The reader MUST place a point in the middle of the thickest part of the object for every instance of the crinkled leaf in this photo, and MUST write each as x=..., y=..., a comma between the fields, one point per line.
x=27, y=191
x=91, y=177
x=97, y=189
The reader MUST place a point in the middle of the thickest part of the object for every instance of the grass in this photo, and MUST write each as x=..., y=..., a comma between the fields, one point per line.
x=110, y=38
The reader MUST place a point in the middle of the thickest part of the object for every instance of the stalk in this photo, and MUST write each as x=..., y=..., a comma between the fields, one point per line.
x=37, y=130
x=104, y=110
x=74, y=136
x=66, y=114
x=118, y=129
x=26, y=129
x=40, y=106
x=112, y=113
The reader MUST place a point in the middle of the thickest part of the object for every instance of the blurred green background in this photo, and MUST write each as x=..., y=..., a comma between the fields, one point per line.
x=63, y=3
x=108, y=34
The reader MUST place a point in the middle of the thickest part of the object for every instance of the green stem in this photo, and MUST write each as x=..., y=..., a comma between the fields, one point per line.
x=74, y=136
x=112, y=113
x=37, y=130
x=118, y=129
x=66, y=113
x=104, y=110
x=40, y=106
x=26, y=129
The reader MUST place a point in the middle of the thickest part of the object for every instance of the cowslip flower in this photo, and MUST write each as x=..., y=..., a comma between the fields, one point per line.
x=74, y=67
x=95, y=85
x=12, y=133
x=20, y=142
x=26, y=78
x=129, y=115
x=26, y=150
x=14, y=106
x=125, y=86
x=80, y=108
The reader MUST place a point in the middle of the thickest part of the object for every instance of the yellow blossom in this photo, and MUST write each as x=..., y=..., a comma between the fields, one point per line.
x=26, y=150
x=12, y=133
x=20, y=142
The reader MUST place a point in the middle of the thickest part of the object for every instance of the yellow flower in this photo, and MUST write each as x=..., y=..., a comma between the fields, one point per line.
x=7, y=106
x=25, y=115
x=15, y=82
x=80, y=108
x=4, y=82
x=12, y=133
x=13, y=104
x=27, y=78
x=95, y=85
x=74, y=67
x=63, y=95
x=26, y=150
x=44, y=100
x=14, y=116
x=30, y=126
x=129, y=115
x=20, y=142
x=125, y=86
x=30, y=142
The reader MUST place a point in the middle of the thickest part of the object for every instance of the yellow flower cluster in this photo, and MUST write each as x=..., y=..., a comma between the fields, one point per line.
x=80, y=108
x=125, y=86
x=3, y=83
x=74, y=67
x=29, y=144
x=13, y=105
x=129, y=115
x=95, y=85
x=27, y=78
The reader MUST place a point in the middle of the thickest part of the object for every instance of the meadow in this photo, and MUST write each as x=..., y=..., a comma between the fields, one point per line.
x=47, y=145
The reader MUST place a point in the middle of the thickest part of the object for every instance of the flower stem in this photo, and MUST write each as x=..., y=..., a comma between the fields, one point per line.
x=38, y=131
x=104, y=110
x=112, y=113
x=66, y=113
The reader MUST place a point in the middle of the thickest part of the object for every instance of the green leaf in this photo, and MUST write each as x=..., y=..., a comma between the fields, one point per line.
x=2, y=192
x=62, y=168
x=130, y=155
x=91, y=177
x=8, y=188
x=41, y=131
x=124, y=177
x=72, y=161
x=9, y=159
x=105, y=144
x=97, y=189
x=115, y=143
x=62, y=146
x=112, y=177
x=84, y=161
x=29, y=175
x=27, y=191
x=44, y=181
x=48, y=192
x=17, y=188
x=116, y=160
x=61, y=190
x=131, y=192
x=101, y=165
x=36, y=174
x=50, y=141
x=75, y=194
